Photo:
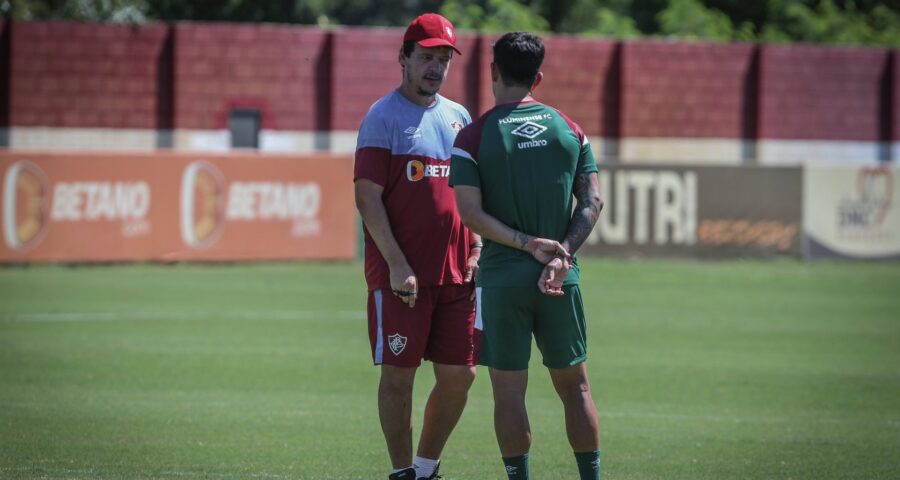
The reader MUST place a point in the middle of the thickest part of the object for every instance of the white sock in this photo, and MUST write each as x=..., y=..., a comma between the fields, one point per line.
x=400, y=469
x=424, y=466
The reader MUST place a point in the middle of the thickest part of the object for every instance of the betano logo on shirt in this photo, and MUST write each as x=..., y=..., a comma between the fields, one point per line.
x=416, y=170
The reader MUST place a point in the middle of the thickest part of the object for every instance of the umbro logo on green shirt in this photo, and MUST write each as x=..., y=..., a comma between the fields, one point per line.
x=531, y=144
x=529, y=130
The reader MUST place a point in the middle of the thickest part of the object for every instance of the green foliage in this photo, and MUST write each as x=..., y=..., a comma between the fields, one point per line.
x=494, y=16
x=595, y=17
x=827, y=21
x=690, y=19
x=316, y=12
x=367, y=12
x=122, y=11
x=853, y=22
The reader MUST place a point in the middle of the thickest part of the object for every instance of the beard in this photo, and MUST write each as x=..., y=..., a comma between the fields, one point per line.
x=425, y=92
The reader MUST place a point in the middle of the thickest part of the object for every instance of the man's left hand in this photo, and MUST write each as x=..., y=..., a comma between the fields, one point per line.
x=553, y=276
x=472, y=269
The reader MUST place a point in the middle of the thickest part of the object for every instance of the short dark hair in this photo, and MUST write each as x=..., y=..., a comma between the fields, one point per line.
x=408, y=47
x=518, y=56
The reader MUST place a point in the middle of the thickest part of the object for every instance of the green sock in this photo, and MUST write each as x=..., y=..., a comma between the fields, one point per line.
x=588, y=465
x=517, y=467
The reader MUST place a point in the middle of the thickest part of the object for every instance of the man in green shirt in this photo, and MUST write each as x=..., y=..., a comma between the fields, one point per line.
x=515, y=171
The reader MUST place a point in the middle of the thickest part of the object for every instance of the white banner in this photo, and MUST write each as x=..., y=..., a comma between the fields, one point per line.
x=851, y=212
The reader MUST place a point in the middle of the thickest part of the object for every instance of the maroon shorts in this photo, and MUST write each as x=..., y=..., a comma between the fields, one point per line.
x=440, y=328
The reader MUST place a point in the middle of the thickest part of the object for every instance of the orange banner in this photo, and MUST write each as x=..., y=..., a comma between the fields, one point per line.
x=172, y=207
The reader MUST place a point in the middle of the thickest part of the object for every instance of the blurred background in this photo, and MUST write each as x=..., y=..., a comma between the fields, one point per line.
x=181, y=294
x=712, y=119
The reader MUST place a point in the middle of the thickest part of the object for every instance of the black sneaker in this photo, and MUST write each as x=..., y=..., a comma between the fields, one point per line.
x=408, y=474
x=434, y=476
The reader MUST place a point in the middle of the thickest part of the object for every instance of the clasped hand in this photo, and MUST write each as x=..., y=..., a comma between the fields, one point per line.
x=557, y=263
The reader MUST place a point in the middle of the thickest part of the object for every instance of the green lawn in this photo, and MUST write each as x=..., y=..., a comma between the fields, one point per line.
x=721, y=370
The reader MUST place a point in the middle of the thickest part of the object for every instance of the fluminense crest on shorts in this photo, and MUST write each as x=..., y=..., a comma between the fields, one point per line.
x=529, y=130
x=397, y=343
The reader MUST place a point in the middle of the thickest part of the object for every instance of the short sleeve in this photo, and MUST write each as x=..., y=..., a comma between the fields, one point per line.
x=586, y=161
x=373, y=151
x=464, y=163
x=372, y=164
x=373, y=133
x=466, y=117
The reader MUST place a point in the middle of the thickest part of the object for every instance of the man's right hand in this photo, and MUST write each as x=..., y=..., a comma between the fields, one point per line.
x=404, y=284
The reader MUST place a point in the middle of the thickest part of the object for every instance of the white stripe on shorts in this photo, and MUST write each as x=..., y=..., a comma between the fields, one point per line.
x=379, y=339
x=478, y=324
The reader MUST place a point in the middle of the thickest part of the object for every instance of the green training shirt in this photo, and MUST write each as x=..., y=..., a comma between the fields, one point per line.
x=524, y=157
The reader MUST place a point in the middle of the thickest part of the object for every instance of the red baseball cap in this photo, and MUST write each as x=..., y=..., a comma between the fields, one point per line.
x=431, y=30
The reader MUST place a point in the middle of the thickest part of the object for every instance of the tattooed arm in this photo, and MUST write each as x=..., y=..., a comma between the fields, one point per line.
x=588, y=204
x=468, y=202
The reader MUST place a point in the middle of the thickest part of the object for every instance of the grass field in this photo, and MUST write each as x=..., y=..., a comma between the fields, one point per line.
x=726, y=370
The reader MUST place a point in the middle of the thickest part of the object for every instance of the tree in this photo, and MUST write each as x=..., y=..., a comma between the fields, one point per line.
x=128, y=11
x=691, y=19
x=856, y=22
x=598, y=17
x=827, y=22
x=494, y=16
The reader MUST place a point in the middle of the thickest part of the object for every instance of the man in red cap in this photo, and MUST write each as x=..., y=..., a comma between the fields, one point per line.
x=420, y=261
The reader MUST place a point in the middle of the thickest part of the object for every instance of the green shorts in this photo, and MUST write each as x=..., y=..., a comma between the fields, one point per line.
x=509, y=316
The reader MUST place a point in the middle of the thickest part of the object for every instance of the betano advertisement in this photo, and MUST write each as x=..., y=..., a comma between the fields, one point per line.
x=207, y=207
x=851, y=212
x=702, y=211
x=173, y=207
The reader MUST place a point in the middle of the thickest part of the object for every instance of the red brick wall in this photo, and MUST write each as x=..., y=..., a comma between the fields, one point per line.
x=366, y=68
x=485, y=57
x=4, y=74
x=272, y=68
x=683, y=89
x=894, y=127
x=84, y=75
x=578, y=80
x=820, y=93
x=305, y=79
